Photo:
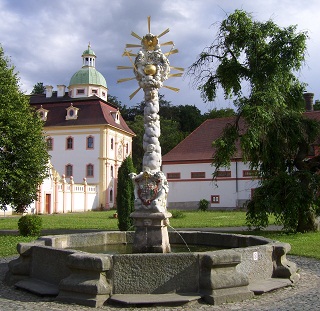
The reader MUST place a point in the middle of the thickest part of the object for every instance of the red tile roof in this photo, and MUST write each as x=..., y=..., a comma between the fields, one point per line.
x=92, y=111
x=197, y=147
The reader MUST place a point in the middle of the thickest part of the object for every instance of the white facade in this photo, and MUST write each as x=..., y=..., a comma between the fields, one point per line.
x=191, y=182
x=87, y=137
x=109, y=149
x=58, y=195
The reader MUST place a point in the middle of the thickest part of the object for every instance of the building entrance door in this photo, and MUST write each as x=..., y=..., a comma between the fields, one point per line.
x=48, y=203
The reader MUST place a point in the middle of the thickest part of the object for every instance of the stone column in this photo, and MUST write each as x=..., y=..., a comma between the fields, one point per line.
x=151, y=218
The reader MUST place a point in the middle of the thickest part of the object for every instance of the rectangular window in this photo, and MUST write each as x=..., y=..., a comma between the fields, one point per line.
x=198, y=175
x=90, y=170
x=215, y=199
x=94, y=91
x=80, y=91
x=69, y=170
x=111, y=143
x=173, y=176
x=90, y=142
x=223, y=174
x=49, y=144
x=69, y=143
x=249, y=173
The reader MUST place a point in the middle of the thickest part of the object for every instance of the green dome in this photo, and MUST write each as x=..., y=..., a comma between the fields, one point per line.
x=88, y=75
x=88, y=51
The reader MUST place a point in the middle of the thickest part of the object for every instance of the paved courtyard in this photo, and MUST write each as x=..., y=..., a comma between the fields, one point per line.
x=304, y=296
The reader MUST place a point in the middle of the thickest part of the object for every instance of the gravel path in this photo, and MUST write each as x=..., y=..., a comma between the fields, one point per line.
x=304, y=296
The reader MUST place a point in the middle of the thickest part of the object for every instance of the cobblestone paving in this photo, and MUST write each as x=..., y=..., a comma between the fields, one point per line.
x=304, y=296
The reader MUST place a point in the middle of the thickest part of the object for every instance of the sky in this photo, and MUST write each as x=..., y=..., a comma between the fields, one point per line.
x=45, y=39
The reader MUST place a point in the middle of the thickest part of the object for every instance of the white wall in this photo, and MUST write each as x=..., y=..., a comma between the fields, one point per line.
x=186, y=192
x=79, y=156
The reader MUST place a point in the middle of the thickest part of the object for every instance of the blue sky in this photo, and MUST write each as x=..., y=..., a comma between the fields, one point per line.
x=45, y=39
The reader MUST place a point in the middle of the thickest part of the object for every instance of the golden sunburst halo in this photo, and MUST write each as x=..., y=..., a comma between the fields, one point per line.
x=149, y=41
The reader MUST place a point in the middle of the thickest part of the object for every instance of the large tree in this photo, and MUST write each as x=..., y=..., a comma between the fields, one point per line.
x=23, y=153
x=255, y=63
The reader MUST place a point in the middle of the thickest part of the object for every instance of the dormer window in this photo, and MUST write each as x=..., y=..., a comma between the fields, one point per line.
x=116, y=116
x=72, y=113
x=80, y=91
x=43, y=113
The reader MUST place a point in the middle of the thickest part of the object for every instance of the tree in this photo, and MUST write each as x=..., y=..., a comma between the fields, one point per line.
x=23, y=153
x=219, y=113
x=273, y=134
x=169, y=138
x=171, y=135
x=137, y=141
x=38, y=88
x=316, y=105
x=125, y=195
x=189, y=118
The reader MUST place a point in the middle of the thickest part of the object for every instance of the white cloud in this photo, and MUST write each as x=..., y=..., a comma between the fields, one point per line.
x=46, y=38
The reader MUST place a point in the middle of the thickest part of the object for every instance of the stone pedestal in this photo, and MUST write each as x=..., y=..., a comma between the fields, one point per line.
x=151, y=233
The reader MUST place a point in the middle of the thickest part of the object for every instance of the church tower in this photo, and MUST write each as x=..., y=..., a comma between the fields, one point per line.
x=88, y=81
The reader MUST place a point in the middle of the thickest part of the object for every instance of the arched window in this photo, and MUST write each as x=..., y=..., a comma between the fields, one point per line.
x=111, y=171
x=49, y=143
x=111, y=144
x=69, y=143
x=127, y=148
x=89, y=170
x=69, y=170
x=111, y=196
x=90, y=142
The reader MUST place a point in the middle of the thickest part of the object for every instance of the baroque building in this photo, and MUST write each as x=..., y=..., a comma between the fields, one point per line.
x=87, y=137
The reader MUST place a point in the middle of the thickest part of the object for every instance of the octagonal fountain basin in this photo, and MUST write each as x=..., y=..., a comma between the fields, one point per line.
x=246, y=265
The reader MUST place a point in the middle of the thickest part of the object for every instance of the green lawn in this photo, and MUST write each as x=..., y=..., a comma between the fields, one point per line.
x=104, y=220
x=302, y=244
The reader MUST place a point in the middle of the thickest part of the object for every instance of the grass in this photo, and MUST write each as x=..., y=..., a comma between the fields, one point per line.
x=9, y=244
x=306, y=244
x=88, y=220
x=302, y=244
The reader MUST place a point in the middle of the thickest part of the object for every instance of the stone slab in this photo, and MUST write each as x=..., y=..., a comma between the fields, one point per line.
x=154, y=298
x=38, y=287
x=264, y=286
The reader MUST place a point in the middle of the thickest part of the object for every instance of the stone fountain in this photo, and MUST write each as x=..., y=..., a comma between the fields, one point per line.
x=53, y=265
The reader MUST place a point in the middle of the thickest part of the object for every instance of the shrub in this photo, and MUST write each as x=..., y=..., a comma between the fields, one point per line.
x=203, y=205
x=177, y=214
x=125, y=195
x=30, y=225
